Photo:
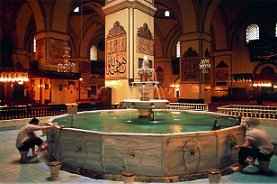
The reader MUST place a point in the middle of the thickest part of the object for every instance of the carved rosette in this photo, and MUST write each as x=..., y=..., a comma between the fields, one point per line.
x=145, y=41
x=116, y=52
x=191, y=155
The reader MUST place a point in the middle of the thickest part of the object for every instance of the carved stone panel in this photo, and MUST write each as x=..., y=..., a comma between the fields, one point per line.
x=145, y=41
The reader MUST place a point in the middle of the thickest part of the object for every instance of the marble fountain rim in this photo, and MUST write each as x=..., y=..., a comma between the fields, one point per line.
x=146, y=134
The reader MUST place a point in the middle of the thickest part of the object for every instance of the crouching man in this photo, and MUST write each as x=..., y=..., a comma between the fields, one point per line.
x=257, y=145
x=27, y=139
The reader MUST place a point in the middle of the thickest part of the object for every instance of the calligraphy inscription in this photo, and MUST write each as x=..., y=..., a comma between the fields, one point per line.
x=116, y=65
x=116, y=62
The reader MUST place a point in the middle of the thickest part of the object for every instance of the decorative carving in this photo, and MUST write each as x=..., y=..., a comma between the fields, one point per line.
x=190, y=69
x=116, y=31
x=145, y=41
x=144, y=32
x=116, y=51
x=190, y=53
x=191, y=155
x=222, y=72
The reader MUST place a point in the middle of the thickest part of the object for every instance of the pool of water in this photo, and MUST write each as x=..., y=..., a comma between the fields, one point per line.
x=128, y=122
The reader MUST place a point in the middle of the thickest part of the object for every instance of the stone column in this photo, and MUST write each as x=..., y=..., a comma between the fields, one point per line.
x=129, y=36
x=194, y=47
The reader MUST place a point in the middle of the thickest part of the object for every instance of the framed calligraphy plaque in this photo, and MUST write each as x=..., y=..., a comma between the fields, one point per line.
x=116, y=53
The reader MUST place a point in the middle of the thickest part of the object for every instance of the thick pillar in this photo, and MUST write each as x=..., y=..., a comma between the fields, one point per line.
x=129, y=37
x=50, y=49
x=195, y=84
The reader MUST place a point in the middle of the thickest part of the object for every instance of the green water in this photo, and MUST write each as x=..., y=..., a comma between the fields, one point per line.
x=128, y=122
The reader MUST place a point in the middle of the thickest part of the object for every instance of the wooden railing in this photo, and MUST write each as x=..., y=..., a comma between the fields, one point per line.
x=188, y=106
x=255, y=111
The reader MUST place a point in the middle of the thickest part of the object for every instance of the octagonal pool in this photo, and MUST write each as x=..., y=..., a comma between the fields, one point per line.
x=175, y=146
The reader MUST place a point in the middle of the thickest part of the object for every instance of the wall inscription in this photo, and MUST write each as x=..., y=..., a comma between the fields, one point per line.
x=116, y=53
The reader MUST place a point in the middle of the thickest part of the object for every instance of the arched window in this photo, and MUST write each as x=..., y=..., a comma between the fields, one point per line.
x=167, y=13
x=252, y=32
x=93, y=53
x=34, y=45
x=77, y=9
x=178, y=49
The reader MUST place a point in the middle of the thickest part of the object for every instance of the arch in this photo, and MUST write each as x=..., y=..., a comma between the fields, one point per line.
x=60, y=15
x=188, y=16
x=22, y=22
x=260, y=67
x=91, y=37
x=219, y=34
x=38, y=15
x=210, y=14
x=172, y=38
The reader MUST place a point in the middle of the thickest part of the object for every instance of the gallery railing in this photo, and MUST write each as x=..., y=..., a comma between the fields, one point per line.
x=188, y=106
x=28, y=111
x=255, y=111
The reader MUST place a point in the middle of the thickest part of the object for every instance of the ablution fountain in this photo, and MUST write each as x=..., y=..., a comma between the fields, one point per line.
x=146, y=102
x=179, y=145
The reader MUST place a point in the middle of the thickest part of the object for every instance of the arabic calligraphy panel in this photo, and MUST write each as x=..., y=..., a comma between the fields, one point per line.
x=116, y=53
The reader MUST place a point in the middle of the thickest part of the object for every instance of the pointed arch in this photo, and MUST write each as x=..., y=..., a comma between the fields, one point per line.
x=38, y=15
x=91, y=37
x=213, y=6
x=61, y=14
x=22, y=21
x=188, y=16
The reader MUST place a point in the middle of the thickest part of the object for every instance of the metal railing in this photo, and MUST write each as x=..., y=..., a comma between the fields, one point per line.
x=27, y=111
x=188, y=106
x=255, y=111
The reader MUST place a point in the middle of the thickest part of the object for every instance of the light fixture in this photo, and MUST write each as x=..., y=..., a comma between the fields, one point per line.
x=19, y=77
x=205, y=65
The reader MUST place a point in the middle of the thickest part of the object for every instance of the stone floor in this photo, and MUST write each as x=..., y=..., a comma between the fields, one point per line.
x=13, y=172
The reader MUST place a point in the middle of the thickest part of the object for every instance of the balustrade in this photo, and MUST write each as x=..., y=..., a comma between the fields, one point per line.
x=255, y=111
x=18, y=112
x=188, y=106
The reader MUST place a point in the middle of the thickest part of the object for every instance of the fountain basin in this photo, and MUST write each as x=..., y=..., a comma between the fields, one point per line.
x=160, y=157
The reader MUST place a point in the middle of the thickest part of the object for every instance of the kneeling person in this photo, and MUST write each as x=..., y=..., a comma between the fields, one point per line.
x=27, y=139
x=257, y=144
